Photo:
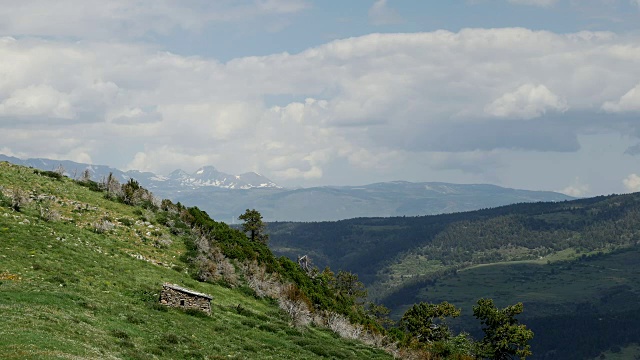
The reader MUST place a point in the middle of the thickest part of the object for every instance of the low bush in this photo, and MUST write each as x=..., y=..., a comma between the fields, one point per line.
x=91, y=185
x=52, y=174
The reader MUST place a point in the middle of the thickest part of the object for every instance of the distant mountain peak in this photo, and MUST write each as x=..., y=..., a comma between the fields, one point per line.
x=224, y=196
x=210, y=176
x=206, y=176
x=207, y=169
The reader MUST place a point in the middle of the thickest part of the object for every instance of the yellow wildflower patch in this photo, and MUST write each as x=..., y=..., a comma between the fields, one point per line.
x=9, y=276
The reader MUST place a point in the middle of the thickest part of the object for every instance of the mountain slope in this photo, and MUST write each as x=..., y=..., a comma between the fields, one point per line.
x=331, y=203
x=573, y=264
x=207, y=176
x=80, y=277
x=514, y=232
x=577, y=308
x=225, y=196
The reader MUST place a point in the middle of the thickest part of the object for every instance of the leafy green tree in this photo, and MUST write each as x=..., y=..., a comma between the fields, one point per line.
x=348, y=285
x=504, y=337
x=425, y=322
x=379, y=313
x=254, y=225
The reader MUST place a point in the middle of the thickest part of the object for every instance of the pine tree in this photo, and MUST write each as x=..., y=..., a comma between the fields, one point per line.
x=254, y=225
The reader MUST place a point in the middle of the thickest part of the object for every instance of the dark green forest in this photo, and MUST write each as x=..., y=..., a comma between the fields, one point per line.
x=573, y=264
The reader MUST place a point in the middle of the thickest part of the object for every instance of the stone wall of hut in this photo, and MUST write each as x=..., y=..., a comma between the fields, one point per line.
x=175, y=298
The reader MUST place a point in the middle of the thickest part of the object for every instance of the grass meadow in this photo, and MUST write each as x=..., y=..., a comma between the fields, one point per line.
x=69, y=289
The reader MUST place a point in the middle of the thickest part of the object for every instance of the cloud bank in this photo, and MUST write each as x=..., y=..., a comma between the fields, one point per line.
x=632, y=183
x=373, y=102
x=540, y=3
x=124, y=19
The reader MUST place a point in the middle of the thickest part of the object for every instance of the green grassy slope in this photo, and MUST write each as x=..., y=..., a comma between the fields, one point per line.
x=69, y=292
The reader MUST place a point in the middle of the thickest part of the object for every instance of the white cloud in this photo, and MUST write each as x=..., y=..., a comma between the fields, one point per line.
x=540, y=3
x=282, y=6
x=368, y=102
x=37, y=100
x=475, y=162
x=527, y=102
x=78, y=155
x=632, y=183
x=635, y=2
x=577, y=189
x=148, y=160
x=7, y=151
x=381, y=14
x=132, y=116
x=628, y=102
x=95, y=19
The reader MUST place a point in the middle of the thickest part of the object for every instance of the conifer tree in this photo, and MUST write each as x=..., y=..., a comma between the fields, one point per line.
x=254, y=225
x=504, y=337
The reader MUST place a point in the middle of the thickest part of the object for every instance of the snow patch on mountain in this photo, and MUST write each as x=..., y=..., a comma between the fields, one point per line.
x=206, y=176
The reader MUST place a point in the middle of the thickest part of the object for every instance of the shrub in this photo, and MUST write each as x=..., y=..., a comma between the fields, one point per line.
x=297, y=311
x=58, y=175
x=91, y=185
x=119, y=334
x=135, y=319
x=103, y=226
x=125, y=221
x=163, y=242
x=48, y=213
x=170, y=338
x=18, y=199
x=212, y=266
x=263, y=283
x=4, y=200
x=162, y=217
x=342, y=326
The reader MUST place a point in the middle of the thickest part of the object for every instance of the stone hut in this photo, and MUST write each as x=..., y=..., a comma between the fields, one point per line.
x=176, y=296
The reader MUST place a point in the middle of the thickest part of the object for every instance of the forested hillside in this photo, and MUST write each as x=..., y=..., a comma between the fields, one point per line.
x=568, y=262
x=369, y=246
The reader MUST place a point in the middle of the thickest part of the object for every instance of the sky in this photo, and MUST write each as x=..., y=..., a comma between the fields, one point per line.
x=529, y=94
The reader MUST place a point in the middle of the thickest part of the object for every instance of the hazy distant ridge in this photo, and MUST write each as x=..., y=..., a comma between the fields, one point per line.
x=207, y=176
x=225, y=196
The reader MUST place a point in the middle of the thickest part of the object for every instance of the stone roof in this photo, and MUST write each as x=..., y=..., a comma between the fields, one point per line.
x=187, y=291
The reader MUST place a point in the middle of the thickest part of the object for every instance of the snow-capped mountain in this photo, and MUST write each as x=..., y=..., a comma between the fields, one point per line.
x=210, y=176
x=224, y=196
x=207, y=176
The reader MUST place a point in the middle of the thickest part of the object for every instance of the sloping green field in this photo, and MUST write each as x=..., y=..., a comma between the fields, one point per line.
x=69, y=289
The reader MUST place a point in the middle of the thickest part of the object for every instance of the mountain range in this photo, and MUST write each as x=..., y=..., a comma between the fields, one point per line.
x=225, y=196
x=206, y=176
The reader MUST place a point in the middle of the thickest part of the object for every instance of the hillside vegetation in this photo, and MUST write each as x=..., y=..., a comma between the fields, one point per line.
x=81, y=271
x=573, y=264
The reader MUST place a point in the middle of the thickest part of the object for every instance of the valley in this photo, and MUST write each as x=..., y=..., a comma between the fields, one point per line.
x=574, y=266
